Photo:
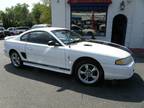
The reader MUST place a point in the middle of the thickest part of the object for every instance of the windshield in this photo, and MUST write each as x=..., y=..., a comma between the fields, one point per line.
x=67, y=36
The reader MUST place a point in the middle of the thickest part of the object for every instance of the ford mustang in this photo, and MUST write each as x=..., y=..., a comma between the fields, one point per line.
x=64, y=51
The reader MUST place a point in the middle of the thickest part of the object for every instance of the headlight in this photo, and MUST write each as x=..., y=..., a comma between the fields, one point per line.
x=124, y=61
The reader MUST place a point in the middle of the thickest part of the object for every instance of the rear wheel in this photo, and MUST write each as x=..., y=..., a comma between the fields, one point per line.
x=89, y=72
x=15, y=59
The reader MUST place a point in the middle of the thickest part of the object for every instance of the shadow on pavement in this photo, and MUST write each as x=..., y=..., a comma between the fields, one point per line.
x=131, y=90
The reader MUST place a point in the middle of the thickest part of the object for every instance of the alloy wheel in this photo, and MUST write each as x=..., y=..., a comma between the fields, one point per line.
x=88, y=73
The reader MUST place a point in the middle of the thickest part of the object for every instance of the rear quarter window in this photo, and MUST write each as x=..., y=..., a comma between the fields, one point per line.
x=24, y=37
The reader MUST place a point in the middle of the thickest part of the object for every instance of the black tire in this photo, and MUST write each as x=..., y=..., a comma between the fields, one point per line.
x=16, y=59
x=93, y=74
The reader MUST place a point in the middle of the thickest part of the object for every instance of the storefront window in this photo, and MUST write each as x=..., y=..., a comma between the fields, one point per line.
x=89, y=23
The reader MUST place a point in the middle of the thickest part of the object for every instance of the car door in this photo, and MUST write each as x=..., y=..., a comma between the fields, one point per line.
x=39, y=52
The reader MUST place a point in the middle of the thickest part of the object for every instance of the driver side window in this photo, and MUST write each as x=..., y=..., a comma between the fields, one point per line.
x=38, y=37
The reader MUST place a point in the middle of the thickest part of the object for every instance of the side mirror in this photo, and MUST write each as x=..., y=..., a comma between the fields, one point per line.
x=53, y=43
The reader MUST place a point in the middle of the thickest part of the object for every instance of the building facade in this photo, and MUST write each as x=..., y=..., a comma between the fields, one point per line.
x=119, y=21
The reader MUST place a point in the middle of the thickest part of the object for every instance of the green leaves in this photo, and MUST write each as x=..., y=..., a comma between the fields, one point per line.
x=41, y=13
x=20, y=15
x=17, y=16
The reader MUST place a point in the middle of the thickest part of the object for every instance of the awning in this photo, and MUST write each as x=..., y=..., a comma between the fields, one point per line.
x=89, y=5
x=89, y=1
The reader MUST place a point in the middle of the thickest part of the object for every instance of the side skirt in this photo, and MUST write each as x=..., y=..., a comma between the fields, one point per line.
x=47, y=67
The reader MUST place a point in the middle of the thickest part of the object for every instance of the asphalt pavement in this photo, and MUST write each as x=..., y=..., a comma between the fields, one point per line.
x=36, y=88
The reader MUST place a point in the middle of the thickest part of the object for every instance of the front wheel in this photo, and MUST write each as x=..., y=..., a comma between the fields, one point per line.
x=15, y=59
x=89, y=72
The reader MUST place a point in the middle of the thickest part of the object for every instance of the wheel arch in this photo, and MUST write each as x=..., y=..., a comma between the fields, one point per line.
x=12, y=50
x=86, y=58
x=20, y=60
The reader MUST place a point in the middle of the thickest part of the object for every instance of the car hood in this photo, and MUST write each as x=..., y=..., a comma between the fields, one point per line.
x=100, y=49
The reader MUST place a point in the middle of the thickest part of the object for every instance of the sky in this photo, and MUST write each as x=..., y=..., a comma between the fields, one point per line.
x=8, y=3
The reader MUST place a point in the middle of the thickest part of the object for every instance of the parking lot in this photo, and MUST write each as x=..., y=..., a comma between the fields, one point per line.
x=36, y=88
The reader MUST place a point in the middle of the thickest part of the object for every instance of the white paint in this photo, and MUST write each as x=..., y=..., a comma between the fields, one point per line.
x=62, y=58
x=60, y=13
x=133, y=11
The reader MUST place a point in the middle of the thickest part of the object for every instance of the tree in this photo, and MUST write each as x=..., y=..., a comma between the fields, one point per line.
x=46, y=2
x=18, y=15
x=1, y=12
x=36, y=13
x=41, y=14
x=22, y=15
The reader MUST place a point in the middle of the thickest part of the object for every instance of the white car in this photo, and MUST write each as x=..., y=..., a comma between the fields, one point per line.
x=40, y=26
x=20, y=30
x=61, y=50
x=12, y=30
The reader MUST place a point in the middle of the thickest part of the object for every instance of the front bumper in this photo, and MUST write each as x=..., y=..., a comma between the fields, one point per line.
x=119, y=72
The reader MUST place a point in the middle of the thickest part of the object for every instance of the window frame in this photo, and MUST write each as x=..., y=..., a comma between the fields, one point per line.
x=29, y=33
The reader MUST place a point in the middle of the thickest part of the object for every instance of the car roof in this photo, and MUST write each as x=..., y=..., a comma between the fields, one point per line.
x=22, y=27
x=48, y=29
x=40, y=25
